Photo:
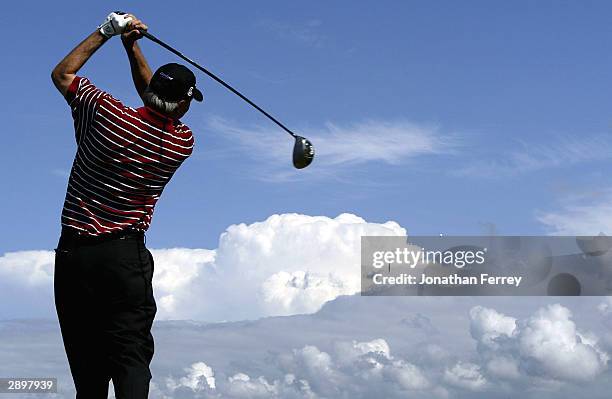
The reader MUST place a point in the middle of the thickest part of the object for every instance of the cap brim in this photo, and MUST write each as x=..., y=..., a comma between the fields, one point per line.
x=197, y=94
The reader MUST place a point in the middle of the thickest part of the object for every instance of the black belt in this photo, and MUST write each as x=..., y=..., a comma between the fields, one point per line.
x=71, y=237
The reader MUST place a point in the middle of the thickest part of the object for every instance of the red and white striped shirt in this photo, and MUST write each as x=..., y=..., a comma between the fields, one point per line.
x=125, y=157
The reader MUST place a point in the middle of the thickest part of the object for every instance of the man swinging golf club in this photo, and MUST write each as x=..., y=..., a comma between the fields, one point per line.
x=124, y=159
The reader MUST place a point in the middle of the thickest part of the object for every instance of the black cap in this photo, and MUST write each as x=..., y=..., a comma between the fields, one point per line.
x=174, y=82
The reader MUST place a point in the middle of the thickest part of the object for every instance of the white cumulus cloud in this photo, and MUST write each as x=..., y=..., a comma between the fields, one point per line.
x=310, y=373
x=284, y=265
x=550, y=339
x=466, y=376
x=487, y=326
x=29, y=269
x=26, y=284
x=199, y=377
x=302, y=292
x=546, y=345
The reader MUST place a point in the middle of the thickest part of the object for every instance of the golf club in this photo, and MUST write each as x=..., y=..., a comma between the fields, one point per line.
x=303, y=151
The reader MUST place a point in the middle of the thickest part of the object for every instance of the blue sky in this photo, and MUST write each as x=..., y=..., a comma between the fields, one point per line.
x=461, y=116
x=444, y=117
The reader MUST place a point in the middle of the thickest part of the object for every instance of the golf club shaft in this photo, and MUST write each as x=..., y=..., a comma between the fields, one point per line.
x=218, y=79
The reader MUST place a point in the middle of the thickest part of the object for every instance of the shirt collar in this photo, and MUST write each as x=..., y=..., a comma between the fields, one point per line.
x=152, y=115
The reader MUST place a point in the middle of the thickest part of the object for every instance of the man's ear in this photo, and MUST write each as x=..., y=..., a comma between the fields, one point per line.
x=183, y=107
x=183, y=104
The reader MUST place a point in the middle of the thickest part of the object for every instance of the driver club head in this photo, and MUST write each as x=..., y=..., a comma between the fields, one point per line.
x=303, y=152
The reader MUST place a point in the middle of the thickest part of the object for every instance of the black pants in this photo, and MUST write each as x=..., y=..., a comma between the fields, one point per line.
x=105, y=305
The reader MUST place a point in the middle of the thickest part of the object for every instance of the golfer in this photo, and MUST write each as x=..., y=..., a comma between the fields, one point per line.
x=125, y=157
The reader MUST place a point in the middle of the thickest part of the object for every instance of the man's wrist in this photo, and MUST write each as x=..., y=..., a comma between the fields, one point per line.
x=129, y=44
x=102, y=36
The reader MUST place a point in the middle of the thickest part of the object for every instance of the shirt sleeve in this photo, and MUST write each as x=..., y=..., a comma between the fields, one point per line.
x=83, y=98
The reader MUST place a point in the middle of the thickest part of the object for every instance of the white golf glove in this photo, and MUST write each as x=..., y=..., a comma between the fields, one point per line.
x=114, y=24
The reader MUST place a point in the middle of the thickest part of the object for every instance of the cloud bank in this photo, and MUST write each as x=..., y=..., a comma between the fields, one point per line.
x=284, y=265
x=361, y=347
x=543, y=354
x=346, y=346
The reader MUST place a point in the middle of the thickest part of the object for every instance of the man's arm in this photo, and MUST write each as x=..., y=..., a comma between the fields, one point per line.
x=141, y=73
x=63, y=74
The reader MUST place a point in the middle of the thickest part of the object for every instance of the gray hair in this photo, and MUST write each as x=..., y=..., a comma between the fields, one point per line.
x=154, y=101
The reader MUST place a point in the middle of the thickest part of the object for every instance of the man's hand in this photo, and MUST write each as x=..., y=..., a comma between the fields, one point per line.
x=132, y=30
x=114, y=24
